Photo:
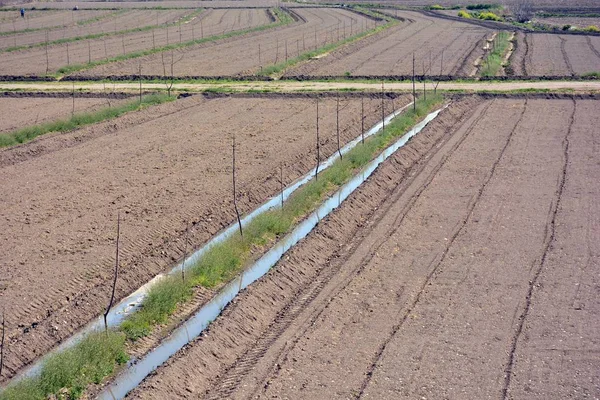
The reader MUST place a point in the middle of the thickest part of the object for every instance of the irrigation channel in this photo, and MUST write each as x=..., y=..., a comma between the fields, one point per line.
x=138, y=369
x=131, y=377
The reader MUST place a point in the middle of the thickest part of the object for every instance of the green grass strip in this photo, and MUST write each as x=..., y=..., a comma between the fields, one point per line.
x=279, y=68
x=79, y=120
x=69, y=372
x=283, y=19
x=91, y=36
x=224, y=260
x=494, y=61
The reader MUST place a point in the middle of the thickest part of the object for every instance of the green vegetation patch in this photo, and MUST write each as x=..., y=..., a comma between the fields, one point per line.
x=79, y=120
x=493, y=63
x=69, y=372
x=484, y=15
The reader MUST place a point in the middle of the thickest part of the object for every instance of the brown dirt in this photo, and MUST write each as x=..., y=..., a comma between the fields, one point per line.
x=464, y=268
x=540, y=54
x=214, y=22
x=22, y=112
x=240, y=55
x=47, y=19
x=579, y=22
x=390, y=52
x=163, y=167
x=116, y=21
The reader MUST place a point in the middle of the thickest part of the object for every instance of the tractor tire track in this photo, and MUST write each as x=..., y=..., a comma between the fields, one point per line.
x=234, y=376
x=471, y=207
x=548, y=241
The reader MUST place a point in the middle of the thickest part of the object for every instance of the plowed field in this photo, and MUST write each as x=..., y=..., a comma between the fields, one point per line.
x=12, y=20
x=19, y=112
x=245, y=55
x=35, y=61
x=541, y=54
x=466, y=267
x=106, y=24
x=439, y=46
x=162, y=168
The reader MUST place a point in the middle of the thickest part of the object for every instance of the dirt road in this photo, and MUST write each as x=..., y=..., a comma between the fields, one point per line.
x=466, y=267
x=295, y=86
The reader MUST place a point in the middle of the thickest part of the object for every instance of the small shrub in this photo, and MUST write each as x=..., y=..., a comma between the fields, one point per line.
x=436, y=7
x=464, y=14
x=566, y=27
x=489, y=16
x=481, y=6
x=592, y=28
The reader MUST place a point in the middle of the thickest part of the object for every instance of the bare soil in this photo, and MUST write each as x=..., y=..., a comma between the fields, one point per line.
x=464, y=268
x=46, y=19
x=163, y=168
x=245, y=55
x=540, y=54
x=108, y=23
x=579, y=22
x=214, y=22
x=21, y=112
x=390, y=52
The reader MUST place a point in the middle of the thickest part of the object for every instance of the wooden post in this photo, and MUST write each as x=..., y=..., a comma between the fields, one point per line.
x=73, y=96
x=47, y=59
x=362, y=119
x=112, y=296
x=281, y=182
x=237, y=213
x=187, y=231
x=424, y=88
x=140, y=75
x=382, y=109
x=318, y=149
x=337, y=124
x=414, y=88
x=2, y=342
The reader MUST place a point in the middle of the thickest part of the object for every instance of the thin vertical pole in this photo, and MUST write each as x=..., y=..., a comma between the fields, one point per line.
x=112, y=296
x=281, y=182
x=362, y=119
x=237, y=213
x=187, y=231
x=337, y=124
x=318, y=150
x=414, y=87
x=382, y=109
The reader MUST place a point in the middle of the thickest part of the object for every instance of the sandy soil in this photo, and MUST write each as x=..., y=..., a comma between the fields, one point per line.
x=33, y=61
x=241, y=55
x=112, y=22
x=162, y=168
x=21, y=112
x=390, y=53
x=542, y=54
x=469, y=273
